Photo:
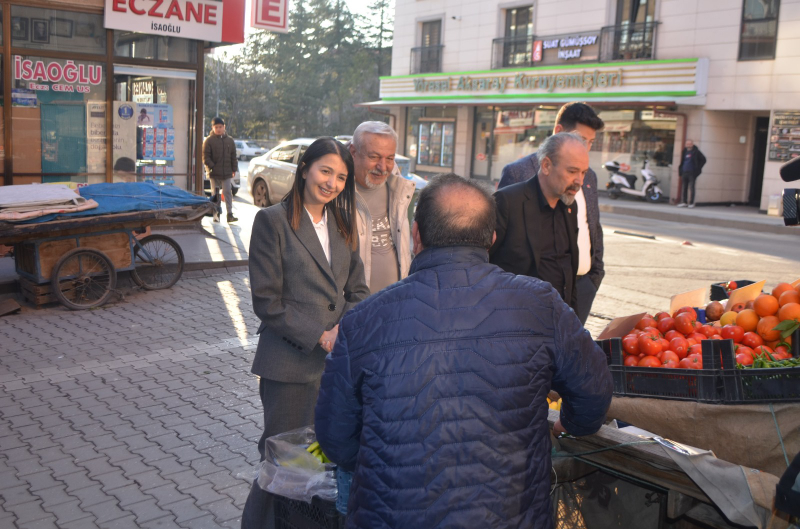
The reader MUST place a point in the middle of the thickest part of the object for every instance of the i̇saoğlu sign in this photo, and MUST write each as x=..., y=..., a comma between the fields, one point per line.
x=188, y=19
x=550, y=82
x=67, y=77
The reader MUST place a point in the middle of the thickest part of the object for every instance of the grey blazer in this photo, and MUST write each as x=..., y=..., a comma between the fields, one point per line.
x=297, y=295
x=525, y=168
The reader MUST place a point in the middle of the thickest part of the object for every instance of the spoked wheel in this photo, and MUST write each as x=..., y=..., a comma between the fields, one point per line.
x=83, y=278
x=260, y=197
x=651, y=195
x=158, y=262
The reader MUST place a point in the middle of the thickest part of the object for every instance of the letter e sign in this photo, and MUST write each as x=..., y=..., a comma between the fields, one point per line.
x=536, y=53
x=272, y=15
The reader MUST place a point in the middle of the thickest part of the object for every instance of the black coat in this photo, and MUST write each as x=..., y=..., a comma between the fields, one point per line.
x=219, y=156
x=518, y=216
x=698, y=161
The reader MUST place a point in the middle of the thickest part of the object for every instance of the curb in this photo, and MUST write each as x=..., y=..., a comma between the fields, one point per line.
x=660, y=214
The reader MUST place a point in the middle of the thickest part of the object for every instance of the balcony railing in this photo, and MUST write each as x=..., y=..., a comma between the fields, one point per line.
x=616, y=43
x=628, y=41
x=426, y=59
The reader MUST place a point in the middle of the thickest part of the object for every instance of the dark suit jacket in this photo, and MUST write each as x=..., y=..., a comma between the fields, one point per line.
x=698, y=161
x=525, y=168
x=297, y=295
x=518, y=216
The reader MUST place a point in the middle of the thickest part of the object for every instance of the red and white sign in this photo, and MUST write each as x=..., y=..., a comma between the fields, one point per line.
x=536, y=53
x=270, y=14
x=187, y=19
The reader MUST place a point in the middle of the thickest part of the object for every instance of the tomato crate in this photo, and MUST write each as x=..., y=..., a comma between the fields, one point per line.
x=700, y=385
x=718, y=291
x=777, y=384
x=294, y=514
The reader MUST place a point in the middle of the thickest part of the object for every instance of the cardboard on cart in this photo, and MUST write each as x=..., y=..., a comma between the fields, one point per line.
x=744, y=294
x=693, y=298
x=619, y=327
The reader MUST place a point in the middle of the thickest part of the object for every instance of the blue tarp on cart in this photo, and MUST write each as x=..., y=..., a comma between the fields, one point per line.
x=126, y=197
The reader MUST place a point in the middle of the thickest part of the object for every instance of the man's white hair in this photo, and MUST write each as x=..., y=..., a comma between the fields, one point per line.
x=372, y=127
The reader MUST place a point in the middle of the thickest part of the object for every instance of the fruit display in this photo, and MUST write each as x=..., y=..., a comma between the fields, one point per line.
x=315, y=450
x=761, y=331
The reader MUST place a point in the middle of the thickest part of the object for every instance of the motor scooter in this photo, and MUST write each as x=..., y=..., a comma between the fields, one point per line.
x=625, y=184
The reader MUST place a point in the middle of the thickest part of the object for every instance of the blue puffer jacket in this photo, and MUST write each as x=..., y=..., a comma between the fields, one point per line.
x=435, y=394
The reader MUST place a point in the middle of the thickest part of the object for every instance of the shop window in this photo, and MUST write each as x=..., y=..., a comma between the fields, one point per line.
x=430, y=138
x=141, y=46
x=153, y=126
x=53, y=29
x=58, y=115
x=759, y=29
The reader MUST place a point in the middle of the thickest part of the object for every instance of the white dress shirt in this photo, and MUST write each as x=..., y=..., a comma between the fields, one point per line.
x=321, y=228
x=584, y=242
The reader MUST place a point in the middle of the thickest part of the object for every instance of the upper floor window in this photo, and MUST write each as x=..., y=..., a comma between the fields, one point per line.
x=427, y=58
x=519, y=22
x=759, y=29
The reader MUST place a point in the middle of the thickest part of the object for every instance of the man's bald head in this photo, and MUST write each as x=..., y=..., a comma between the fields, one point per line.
x=453, y=211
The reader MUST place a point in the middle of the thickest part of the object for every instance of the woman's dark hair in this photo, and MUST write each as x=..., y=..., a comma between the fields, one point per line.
x=343, y=207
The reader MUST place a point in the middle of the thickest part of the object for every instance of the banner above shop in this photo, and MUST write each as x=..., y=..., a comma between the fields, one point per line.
x=188, y=19
x=662, y=80
x=272, y=15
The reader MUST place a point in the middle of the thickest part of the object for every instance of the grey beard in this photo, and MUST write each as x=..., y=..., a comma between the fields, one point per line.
x=567, y=199
x=369, y=184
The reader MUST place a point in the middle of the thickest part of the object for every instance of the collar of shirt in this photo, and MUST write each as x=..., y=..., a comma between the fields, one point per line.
x=543, y=204
x=321, y=228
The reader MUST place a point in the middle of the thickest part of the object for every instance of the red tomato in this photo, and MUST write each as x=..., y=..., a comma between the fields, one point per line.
x=716, y=337
x=691, y=341
x=631, y=344
x=752, y=340
x=684, y=323
x=650, y=361
x=679, y=346
x=762, y=349
x=733, y=332
x=698, y=336
x=671, y=364
x=646, y=321
x=708, y=331
x=652, y=331
x=670, y=355
x=631, y=361
x=696, y=349
x=649, y=345
x=669, y=335
x=661, y=315
x=690, y=310
x=744, y=359
x=666, y=324
x=691, y=362
x=784, y=350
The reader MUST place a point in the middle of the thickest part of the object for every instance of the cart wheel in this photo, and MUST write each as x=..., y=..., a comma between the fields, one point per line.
x=158, y=262
x=83, y=278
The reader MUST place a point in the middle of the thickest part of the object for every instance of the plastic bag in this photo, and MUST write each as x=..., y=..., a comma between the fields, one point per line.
x=293, y=473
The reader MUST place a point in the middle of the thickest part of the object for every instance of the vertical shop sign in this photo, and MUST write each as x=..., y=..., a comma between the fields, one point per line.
x=536, y=53
x=124, y=143
x=95, y=137
x=272, y=15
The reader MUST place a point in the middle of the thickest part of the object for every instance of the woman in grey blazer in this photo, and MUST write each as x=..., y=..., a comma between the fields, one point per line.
x=305, y=273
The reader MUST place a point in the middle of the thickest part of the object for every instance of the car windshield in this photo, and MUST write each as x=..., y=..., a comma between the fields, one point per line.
x=253, y=145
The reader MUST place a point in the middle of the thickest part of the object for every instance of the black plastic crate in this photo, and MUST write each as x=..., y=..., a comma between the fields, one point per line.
x=319, y=514
x=718, y=292
x=760, y=385
x=700, y=385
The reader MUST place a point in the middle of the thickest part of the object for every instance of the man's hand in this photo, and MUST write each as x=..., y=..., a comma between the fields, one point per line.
x=558, y=429
x=328, y=338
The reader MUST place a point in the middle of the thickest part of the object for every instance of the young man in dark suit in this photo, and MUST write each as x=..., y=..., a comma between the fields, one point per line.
x=582, y=119
x=537, y=220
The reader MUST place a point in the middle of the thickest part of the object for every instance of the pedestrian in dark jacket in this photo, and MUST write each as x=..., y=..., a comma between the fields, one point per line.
x=435, y=394
x=692, y=162
x=581, y=119
x=219, y=157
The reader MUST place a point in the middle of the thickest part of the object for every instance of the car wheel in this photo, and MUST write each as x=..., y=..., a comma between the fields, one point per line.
x=260, y=195
x=234, y=190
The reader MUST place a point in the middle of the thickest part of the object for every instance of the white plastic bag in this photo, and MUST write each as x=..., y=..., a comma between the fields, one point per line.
x=290, y=471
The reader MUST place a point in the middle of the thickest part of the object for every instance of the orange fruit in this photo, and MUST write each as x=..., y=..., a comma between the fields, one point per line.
x=790, y=311
x=765, y=328
x=780, y=289
x=728, y=318
x=790, y=296
x=766, y=305
x=747, y=320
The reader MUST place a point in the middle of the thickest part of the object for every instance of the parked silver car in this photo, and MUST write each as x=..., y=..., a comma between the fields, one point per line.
x=247, y=150
x=271, y=176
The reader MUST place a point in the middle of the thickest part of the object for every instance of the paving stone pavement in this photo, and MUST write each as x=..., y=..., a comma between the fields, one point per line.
x=142, y=413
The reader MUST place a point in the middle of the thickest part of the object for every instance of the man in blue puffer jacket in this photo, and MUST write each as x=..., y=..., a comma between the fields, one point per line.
x=435, y=394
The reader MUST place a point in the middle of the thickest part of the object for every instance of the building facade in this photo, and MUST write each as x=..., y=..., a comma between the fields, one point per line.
x=476, y=85
x=107, y=90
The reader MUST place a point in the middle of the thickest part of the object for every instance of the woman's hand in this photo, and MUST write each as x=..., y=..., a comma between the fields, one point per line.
x=328, y=338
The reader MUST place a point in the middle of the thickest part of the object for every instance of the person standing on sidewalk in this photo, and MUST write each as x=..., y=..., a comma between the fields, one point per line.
x=382, y=200
x=581, y=119
x=305, y=274
x=219, y=157
x=692, y=162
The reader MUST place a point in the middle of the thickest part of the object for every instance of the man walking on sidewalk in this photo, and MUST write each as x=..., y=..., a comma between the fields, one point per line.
x=219, y=157
x=692, y=162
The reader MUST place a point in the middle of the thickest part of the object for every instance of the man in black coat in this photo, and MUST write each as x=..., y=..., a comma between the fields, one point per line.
x=537, y=220
x=692, y=162
x=219, y=157
x=580, y=118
